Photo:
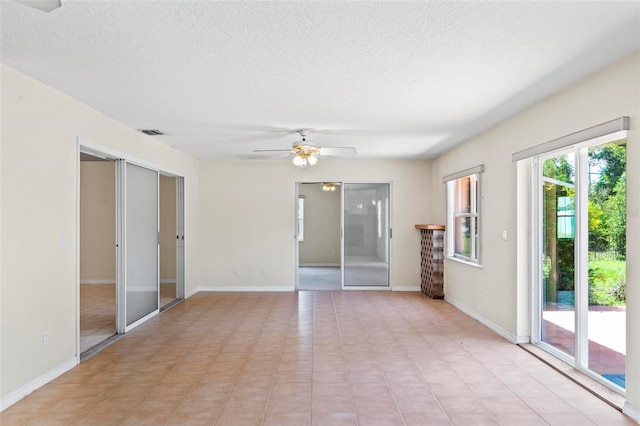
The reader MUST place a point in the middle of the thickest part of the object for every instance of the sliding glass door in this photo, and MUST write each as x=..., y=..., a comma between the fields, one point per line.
x=141, y=243
x=606, y=260
x=366, y=234
x=558, y=252
x=581, y=312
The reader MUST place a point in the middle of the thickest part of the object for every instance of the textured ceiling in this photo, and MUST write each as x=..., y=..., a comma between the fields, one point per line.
x=393, y=79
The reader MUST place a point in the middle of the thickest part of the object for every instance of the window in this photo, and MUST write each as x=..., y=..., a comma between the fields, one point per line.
x=300, y=222
x=566, y=214
x=463, y=214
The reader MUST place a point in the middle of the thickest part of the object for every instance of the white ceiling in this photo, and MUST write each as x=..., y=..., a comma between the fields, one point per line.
x=393, y=79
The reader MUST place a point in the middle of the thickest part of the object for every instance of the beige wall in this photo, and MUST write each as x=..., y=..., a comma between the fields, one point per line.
x=40, y=175
x=97, y=222
x=498, y=292
x=249, y=206
x=321, y=243
x=167, y=228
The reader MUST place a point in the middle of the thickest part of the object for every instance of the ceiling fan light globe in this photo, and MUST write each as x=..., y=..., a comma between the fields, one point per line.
x=299, y=161
x=313, y=160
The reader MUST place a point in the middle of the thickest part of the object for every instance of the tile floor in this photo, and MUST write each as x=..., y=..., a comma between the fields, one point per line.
x=312, y=358
x=98, y=311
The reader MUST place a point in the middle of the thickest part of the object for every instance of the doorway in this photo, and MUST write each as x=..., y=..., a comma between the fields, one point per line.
x=581, y=308
x=97, y=255
x=319, y=251
x=342, y=235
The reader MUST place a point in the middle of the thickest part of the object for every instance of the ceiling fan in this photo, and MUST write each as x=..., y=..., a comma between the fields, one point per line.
x=306, y=153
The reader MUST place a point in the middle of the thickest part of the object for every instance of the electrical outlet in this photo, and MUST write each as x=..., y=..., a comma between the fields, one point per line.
x=263, y=271
x=236, y=271
x=45, y=338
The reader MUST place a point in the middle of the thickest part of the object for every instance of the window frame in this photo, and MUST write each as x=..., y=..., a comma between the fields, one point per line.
x=300, y=219
x=455, y=212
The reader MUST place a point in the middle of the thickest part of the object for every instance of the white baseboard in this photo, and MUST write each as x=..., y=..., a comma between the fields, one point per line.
x=320, y=265
x=104, y=281
x=36, y=383
x=239, y=288
x=366, y=287
x=501, y=331
x=405, y=288
x=632, y=412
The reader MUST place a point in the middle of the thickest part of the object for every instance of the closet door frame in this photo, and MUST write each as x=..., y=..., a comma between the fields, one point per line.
x=121, y=159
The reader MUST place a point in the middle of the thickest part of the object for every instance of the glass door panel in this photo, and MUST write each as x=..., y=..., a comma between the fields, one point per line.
x=141, y=243
x=168, y=208
x=558, y=252
x=606, y=320
x=366, y=234
x=582, y=209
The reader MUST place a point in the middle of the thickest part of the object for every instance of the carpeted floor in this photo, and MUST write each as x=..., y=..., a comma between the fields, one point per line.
x=329, y=277
x=319, y=278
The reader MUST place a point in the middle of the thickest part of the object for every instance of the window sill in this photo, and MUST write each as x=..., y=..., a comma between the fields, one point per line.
x=465, y=262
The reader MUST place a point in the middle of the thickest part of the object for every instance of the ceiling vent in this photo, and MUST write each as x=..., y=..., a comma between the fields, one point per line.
x=151, y=132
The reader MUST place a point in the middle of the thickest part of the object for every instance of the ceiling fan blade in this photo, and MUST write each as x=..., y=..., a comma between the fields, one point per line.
x=288, y=154
x=338, y=151
x=43, y=5
x=273, y=150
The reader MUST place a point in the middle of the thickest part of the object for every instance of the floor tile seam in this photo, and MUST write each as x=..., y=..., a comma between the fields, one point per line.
x=224, y=403
x=437, y=401
x=492, y=373
x=353, y=401
x=519, y=397
x=187, y=395
x=115, y=388
x=273, y=381
x=175, y=411
x=266, y=405
x=313, y=321
x=395, y=401
x=467, y=387
x=571, y=381
x=393, y=395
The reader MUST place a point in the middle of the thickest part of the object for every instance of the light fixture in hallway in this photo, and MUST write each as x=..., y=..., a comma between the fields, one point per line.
x=329, y=187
